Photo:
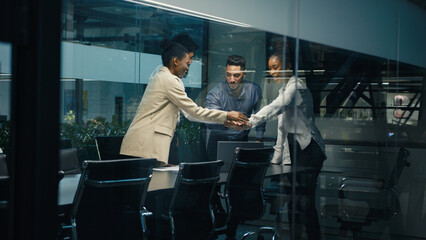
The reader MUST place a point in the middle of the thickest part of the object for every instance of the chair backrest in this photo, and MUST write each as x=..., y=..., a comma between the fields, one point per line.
x=4, y=184
x=400, y=163
x=109, y=199
x=3, y=165
x=245, y=182
x=65, y=143
x=4, y=209
x=68, y=161
x=191, y=211
x=109, y=147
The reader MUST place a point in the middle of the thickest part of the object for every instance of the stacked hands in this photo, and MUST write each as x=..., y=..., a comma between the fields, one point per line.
x=237, y=120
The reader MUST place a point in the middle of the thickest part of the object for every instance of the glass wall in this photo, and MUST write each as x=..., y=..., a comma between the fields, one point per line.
x=5, y=127
x=5, y=90
x=368, y=110
x=109, y=51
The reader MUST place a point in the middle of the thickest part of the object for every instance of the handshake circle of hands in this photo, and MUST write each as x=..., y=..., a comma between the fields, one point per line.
x=237, y=120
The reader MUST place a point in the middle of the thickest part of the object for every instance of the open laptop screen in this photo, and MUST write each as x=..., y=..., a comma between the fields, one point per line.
x=226, y=151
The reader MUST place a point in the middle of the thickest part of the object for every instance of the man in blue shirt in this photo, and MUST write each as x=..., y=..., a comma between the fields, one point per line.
x=234, y=94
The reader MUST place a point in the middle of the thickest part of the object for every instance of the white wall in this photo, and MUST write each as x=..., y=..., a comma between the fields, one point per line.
x=5, y=58
x=113, y=65
x=369, y=27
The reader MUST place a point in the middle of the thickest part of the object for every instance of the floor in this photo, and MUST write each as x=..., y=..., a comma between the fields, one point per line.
x=327, y=233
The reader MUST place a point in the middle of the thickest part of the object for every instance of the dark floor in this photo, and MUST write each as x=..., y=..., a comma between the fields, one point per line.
x=328, y=233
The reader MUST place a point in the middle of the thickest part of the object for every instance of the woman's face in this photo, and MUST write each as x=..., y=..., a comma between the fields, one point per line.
x=276, y=69
x=181, y=66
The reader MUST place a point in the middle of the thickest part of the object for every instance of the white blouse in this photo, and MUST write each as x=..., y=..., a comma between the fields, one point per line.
x=294, y=108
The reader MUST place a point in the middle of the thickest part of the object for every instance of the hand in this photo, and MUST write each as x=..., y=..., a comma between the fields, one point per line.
x=238, y=125
x=237, y=116
x=169, y=165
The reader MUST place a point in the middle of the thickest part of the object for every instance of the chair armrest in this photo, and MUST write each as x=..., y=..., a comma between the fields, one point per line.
x=225, y=196
x=61, y=175
x=222, y=215
x=222, y=195
x=360, y=184
x=371, y=190
x=144, y=212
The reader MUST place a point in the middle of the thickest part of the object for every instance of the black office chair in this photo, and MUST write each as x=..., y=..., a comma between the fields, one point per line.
x=4, y=182
x=191, y=213
x=68, y=161
x=244, y=187
x=3, y=165
x=4, y=198
x=68, y=165
x=109, y=147
x=65, y=143
x=362, y=201
x=109, y=201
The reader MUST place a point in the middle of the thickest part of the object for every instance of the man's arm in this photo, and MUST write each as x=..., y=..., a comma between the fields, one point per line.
x=213, y=102
x=260, y=129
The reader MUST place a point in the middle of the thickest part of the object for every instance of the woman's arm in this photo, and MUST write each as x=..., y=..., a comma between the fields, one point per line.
x=276, y=107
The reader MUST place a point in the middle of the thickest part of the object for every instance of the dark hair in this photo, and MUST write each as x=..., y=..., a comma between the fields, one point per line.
x=186, y=41
x=280, y=56
x=236, y=60
x=171, y=50
x=277, y=55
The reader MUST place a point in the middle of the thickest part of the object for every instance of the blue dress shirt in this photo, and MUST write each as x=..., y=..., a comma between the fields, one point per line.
x=248, y=102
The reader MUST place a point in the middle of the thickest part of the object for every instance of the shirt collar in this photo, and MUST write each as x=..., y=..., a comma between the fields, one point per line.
x=167, y=70
x=229, y=90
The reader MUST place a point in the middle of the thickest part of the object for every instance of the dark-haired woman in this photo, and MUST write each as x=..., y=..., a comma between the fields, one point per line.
x=299, y=143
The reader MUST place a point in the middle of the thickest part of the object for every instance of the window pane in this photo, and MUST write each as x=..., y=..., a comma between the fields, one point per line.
x=359, y=109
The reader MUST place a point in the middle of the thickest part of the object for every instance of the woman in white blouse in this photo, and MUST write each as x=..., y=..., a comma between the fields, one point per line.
x=299, y=142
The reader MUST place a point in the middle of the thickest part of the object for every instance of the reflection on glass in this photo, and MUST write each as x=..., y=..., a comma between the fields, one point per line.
x=5, y=94
x=5, y=134
x=367, y=108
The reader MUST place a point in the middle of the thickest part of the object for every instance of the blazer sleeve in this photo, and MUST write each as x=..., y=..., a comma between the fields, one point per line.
x=178, y=96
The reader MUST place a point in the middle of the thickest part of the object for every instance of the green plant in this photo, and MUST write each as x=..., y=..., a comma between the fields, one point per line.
x=188, y=132
x=83, y=135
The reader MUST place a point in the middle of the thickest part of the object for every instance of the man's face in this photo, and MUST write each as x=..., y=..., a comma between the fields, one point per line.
x=182, y=66
x=234, y=76
x=190, y=55
x=276, y=68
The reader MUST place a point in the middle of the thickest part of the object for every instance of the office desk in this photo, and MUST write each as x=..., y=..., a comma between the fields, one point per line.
x=160, y=181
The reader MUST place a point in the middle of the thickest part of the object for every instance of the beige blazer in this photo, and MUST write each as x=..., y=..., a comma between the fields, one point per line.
x=154, y=125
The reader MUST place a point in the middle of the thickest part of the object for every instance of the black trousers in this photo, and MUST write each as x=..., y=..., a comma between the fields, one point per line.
x=302, y=210
x=173, y=152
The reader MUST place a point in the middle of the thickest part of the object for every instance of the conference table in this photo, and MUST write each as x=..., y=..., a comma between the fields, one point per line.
x=162, y=180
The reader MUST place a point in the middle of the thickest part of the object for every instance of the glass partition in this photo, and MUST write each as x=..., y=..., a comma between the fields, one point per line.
x=5, y=128
x=5, y=90
x=364, y=112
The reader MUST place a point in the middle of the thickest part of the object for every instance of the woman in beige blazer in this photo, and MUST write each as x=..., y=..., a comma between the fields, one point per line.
x=152, y=129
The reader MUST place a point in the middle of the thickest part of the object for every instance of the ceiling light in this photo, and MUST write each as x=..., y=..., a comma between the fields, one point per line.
x=188, y=12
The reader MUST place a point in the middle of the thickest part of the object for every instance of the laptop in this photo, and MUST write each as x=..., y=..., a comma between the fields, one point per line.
x=226, y=151
x=109, y=147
